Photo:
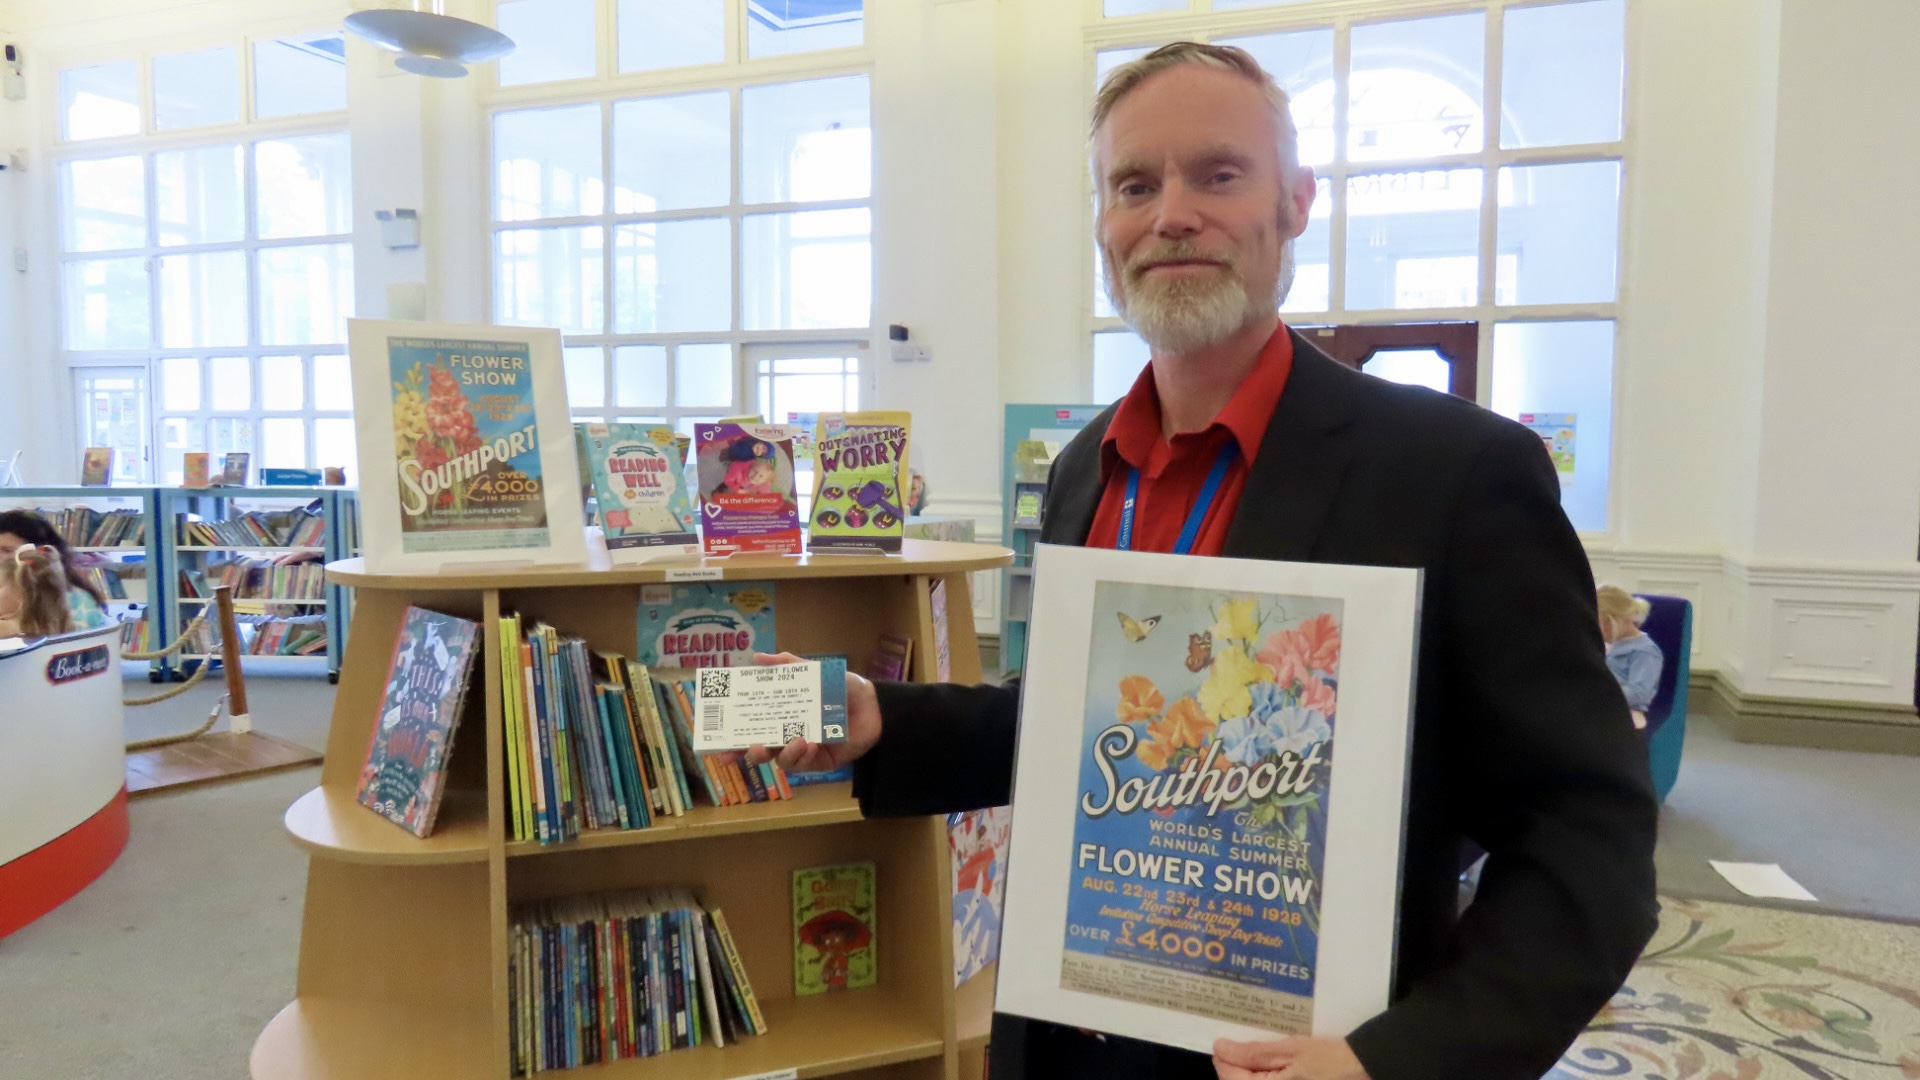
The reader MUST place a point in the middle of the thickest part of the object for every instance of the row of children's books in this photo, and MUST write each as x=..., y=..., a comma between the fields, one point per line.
x=595, y=741
x=744, y=481
x=627, y=975
x=259, y=579
x=267, y=635
x=105, y=579
x=82, y=526
x=299, y=527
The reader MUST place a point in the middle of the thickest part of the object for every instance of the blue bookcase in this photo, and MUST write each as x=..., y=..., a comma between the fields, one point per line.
x=337, y=540
x=145, y=592
x=163, y=556
x=1055, y=425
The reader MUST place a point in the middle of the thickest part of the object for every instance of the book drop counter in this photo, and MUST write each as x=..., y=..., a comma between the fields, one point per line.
x=63, y=798
x=404, y=951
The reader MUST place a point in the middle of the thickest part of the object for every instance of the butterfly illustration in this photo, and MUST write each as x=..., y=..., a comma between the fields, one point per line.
x=1200, y=651
x=1137, y=630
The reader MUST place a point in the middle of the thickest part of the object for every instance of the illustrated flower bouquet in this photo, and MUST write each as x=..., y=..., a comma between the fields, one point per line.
x=1264, y=694
x=433, y=424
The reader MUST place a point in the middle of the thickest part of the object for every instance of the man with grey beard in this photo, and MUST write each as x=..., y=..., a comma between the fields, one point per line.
x=1242, y=439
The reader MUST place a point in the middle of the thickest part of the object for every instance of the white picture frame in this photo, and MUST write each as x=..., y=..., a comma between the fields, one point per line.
x=538, y=519
x=1061, y=956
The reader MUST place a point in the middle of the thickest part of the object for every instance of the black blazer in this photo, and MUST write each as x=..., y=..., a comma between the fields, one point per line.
x=1521, y=739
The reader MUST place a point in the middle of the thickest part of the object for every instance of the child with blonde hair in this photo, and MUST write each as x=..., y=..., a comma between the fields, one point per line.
x=33, y=593
x=1632, y=656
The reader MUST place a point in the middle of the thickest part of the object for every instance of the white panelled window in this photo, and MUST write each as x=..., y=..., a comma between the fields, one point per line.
x=1470, y=167
x=204, y=222
x=676, y=226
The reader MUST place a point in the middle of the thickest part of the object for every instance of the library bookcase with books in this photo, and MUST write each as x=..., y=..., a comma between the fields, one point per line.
x=158, y=553
x=109, y=528
x=405, y=944
x=271, y=545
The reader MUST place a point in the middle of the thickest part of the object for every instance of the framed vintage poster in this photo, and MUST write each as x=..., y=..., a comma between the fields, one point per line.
x=1226, y=860
x=466, y=446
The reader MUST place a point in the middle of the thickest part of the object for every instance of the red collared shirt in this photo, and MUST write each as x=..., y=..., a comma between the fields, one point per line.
x=1172, y=471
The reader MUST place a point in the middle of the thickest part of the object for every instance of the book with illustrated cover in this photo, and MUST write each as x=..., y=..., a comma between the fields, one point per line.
x=705, y=624
x=747, y=496
x=859, y=482
x=637, y=473
x=233, y=469
x=96, y=469
x=406, y=766
x=833, y=928
x=977, y=845
x=195, y=470
x=891, y=658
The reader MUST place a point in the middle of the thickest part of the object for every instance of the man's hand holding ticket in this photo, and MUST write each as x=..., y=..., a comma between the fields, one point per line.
x=741, y=707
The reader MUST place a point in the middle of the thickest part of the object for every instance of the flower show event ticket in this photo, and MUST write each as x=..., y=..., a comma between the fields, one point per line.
x=769, y=706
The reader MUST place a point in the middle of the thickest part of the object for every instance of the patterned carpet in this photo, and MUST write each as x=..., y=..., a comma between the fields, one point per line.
x=1736, y=992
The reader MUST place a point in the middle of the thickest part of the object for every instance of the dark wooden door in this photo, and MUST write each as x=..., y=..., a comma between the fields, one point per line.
x=1443, y=355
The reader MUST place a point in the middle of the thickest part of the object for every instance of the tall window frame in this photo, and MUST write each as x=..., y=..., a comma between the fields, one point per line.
x=1589, y=326
x=601, y=359
x=267, y=424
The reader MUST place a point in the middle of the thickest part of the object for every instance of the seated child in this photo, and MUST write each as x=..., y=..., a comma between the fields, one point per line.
x=1631, y=655
x=33, y=594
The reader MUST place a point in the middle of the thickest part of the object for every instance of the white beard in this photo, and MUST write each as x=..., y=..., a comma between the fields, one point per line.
x=1183, y=316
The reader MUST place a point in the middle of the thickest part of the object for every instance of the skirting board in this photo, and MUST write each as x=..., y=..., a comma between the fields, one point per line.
x=1818, y=725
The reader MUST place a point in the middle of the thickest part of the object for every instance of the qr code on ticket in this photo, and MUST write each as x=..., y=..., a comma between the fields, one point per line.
x=790, y=732
x=715, y=684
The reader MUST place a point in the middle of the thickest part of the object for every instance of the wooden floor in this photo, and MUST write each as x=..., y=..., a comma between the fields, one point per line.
x=221, y=755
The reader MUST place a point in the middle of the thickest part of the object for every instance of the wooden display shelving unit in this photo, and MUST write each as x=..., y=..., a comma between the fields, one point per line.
x=403, y=950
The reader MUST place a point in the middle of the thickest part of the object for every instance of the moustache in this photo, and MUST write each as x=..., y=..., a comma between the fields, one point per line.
x=1138, y=266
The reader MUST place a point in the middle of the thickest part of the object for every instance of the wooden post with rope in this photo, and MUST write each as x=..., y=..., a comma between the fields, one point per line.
x=237, y=717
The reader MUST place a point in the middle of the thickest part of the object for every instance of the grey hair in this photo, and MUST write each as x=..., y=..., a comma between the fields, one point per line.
x=1126, y=78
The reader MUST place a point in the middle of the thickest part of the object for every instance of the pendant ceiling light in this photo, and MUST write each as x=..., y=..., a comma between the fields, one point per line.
x=430, y=42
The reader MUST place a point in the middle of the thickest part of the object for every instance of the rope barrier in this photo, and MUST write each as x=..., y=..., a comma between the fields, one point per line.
x=167, y=740
x=178, y=643
x=175, y=691
x=192, y=680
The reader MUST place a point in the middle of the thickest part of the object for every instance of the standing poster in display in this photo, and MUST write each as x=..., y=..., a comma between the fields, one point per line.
x=466, y=446
x=1223, y=865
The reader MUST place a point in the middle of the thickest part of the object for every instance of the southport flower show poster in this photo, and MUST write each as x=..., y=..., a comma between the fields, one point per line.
x=474, y=460
x=1226, y=861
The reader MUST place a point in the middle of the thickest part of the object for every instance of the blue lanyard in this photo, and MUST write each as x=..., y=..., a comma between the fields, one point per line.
x=1201, y=504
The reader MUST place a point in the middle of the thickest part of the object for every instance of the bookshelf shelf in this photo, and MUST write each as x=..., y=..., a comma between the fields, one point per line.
x=111, y=548
x=823, y=804
x=333, y=1039
x=329, y=823
x=817, y=1036
x=257, y=600
x=405, y=942
x=973, y=1008
x=240, y=547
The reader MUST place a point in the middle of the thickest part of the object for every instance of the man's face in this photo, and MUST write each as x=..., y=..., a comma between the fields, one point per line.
x=1196, y=222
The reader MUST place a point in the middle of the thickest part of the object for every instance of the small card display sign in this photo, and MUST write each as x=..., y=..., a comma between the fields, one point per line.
x=81, y=664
